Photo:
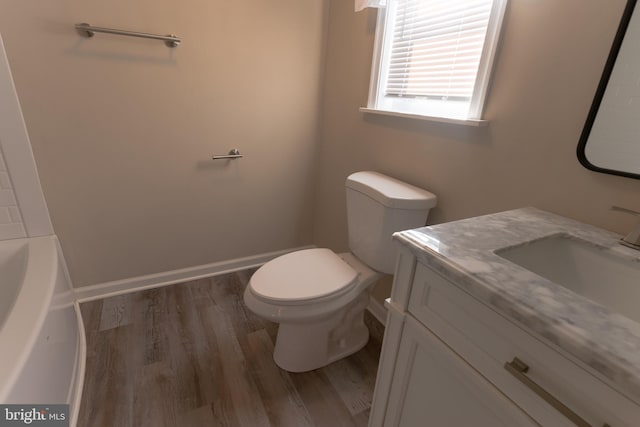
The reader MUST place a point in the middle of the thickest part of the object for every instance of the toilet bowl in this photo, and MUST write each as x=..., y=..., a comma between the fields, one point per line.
x=317, y=326
x=318, y=297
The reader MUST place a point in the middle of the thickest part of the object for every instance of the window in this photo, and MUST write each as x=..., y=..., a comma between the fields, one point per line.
x=434, y=57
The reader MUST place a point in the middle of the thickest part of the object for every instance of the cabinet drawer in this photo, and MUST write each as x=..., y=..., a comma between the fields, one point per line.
x=487, y=340
x=433, y=386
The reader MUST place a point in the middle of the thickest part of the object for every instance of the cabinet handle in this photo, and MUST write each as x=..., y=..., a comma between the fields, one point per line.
x=518, y=369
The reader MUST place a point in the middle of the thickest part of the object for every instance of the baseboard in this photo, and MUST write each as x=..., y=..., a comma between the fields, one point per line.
x=119, y=287
x=377, y=310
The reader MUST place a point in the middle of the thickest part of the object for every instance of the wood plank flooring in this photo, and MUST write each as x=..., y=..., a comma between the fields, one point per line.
x=191, y=354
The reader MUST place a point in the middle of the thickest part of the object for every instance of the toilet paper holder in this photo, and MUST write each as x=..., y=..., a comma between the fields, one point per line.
x=234, y=153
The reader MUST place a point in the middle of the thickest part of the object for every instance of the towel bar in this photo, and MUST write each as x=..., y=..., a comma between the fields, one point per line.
x=87, y=30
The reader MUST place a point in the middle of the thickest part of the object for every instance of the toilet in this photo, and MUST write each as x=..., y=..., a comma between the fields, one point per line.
x=318, y=297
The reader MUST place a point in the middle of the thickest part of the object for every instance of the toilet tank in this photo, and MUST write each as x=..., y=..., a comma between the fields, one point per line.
x=377, y=207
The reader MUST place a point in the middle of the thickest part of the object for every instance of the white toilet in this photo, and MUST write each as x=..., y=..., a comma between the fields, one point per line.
x=318, y=297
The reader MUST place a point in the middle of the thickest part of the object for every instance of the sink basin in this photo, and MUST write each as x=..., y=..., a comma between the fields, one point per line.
x=586, y=269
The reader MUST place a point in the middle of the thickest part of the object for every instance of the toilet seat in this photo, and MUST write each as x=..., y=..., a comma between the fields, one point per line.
x=302, y=277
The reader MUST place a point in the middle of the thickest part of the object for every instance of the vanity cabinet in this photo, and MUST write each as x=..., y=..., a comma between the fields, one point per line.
x=449, y=359
x=455, y=395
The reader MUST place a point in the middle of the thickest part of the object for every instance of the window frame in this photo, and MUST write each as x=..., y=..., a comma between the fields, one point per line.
x=483, y=77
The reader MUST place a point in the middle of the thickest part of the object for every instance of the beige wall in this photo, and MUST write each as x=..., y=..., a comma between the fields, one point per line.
x=122, y=129
x=546, y=73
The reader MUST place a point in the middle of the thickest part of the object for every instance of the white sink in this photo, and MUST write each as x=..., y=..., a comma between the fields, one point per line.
x=586, y=269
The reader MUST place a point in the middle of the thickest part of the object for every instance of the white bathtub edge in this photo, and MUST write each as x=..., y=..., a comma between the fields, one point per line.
x=39, y=247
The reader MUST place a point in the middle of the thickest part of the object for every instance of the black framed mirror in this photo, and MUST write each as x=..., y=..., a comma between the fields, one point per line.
x=610, y=140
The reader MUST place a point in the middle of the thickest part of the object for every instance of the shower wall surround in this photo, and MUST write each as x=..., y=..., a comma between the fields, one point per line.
x=11, y=226
x=23, y=210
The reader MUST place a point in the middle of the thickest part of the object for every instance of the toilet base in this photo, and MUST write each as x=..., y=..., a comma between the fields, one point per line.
x=302, y=347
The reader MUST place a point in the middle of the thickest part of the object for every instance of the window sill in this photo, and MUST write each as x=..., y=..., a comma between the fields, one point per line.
x=463, y=122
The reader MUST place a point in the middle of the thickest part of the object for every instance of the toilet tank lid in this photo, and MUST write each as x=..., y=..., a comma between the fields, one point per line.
x=391, y=192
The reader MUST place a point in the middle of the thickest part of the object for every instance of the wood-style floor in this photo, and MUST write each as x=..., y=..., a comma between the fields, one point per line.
x=191, y=354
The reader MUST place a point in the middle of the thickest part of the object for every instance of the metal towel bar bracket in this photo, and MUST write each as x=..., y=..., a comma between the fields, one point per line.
x=86, y=30
x=234, y=153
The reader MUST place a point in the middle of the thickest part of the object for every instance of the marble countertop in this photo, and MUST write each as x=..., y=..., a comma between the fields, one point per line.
x=463, y=251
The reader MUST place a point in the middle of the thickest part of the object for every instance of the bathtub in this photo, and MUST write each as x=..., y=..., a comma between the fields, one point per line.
x=42, y=345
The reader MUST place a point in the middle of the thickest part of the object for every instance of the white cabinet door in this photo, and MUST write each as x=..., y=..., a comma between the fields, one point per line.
x=433, y=386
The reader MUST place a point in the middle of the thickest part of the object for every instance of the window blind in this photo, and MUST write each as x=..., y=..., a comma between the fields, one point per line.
x=436, y=48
